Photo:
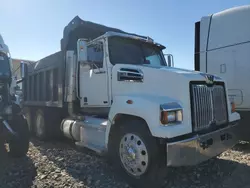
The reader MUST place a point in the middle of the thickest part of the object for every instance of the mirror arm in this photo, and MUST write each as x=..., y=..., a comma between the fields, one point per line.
x=170, y=58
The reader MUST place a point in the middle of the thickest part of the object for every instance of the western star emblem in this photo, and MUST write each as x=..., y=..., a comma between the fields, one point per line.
x=209, y=78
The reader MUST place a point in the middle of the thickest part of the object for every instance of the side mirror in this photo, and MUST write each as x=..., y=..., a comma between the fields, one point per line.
x=170, y=60
x=82, y=55
x=24, y=69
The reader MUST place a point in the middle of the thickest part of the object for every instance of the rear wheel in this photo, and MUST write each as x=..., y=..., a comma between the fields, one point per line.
x=137, y=155
x=47, y=124
x=40, y=128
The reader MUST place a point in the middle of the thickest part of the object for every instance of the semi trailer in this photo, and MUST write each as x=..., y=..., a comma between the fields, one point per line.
x=222, y=47
x=114, y=93
x=13, y=125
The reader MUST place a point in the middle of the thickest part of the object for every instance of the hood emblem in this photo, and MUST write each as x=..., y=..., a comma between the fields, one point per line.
x=209, y=78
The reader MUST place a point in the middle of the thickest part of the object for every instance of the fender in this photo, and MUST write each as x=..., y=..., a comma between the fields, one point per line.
x=146, y=107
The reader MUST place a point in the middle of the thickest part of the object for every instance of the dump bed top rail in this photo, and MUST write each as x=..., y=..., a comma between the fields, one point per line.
x=78, y=28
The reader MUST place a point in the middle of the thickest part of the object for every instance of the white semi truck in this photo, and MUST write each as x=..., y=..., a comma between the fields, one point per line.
x=222, y=47
x=114, y=93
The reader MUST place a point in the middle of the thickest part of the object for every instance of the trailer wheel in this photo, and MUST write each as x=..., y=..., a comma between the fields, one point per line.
x=40, y=127
x=137, y=155
x=19, y=146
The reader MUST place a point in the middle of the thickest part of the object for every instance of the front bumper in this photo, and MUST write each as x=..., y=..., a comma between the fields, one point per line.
x=200, y=148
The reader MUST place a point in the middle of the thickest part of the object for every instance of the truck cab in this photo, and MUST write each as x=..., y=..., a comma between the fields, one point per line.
x=6, y=68
x=6, y=65
x=113, y=92
x=6, y=81
x=108, y=55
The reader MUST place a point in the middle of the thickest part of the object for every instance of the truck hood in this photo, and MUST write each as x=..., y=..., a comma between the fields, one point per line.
x=188, y=75
x=157, y=81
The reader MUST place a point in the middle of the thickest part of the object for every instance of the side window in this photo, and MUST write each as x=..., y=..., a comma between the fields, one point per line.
x=154, y=60
x=95, y=55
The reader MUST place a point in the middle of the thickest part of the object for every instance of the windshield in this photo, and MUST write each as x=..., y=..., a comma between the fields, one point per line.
x=130, y=51
x=4, y=65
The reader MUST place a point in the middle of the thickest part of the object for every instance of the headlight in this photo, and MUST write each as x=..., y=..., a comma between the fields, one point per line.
x=171, y=113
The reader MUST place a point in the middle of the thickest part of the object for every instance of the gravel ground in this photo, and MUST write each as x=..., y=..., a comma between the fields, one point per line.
x=59, y=164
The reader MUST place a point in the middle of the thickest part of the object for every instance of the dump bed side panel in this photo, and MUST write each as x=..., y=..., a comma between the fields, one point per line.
x=45, y=82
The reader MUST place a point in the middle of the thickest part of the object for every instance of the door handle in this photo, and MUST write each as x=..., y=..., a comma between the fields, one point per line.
x=223, y=68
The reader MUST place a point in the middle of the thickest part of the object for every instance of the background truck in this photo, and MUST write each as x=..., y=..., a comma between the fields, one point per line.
x=222, y=47
x=114, y=93
x=13, y=125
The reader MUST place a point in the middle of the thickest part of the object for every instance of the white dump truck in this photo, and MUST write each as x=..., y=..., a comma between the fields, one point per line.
x=113, y=92
x=13, y=125
x=222, y=47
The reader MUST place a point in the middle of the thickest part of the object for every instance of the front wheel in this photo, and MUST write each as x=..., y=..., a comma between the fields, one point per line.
x=19, y=145
x=138, y=155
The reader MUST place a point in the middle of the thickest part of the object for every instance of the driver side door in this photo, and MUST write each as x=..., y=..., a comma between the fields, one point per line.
x=94, y=79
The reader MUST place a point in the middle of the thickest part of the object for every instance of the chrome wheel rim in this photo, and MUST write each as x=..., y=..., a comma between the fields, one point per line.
x=133, y=154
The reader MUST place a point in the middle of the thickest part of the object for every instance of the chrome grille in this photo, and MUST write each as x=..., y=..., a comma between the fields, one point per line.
x=208, y=106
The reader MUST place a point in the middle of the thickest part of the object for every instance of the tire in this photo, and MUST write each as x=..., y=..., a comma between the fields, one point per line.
x=150, y=170
x=47, y=124
x=40, y=126
x=19, y=146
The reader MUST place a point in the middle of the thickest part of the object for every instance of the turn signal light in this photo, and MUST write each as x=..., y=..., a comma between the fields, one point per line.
x=164, y=117
x=171, y=117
